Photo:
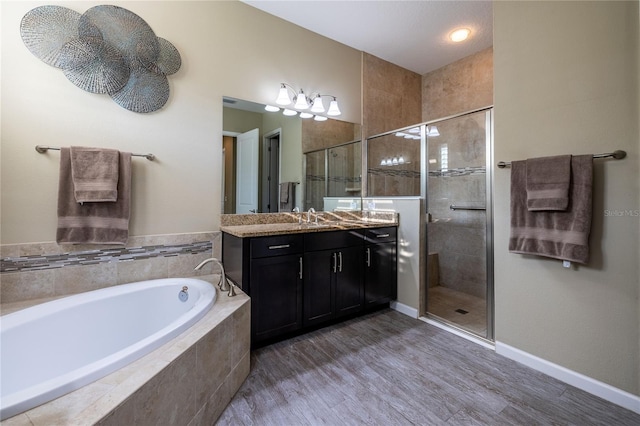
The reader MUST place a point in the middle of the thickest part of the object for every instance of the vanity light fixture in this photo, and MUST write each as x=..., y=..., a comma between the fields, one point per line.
x=460, y=34
x=301, y=101
x=393, y=161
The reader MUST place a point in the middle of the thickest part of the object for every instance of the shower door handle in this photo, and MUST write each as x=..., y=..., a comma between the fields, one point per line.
x=454, y=207
x=368, y=257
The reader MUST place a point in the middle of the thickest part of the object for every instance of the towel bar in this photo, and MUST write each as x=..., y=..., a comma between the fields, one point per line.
x=618, y=155
x=43, y=148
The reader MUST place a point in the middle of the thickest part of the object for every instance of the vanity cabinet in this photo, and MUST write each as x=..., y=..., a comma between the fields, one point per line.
x=333, y=283
x=303, y=280
x=271, y=274
x=380, y=268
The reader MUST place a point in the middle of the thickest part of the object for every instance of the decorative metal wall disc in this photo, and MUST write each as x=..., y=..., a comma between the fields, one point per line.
x=46, y=29
x=107, y=50
x=119, y=27
x=165, y=61
x=93, y=65
x=145, y=91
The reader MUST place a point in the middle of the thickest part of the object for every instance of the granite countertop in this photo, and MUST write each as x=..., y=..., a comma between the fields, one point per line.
x=267, y=224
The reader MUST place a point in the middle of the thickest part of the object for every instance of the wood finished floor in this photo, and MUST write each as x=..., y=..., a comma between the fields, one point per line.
x=388, y=369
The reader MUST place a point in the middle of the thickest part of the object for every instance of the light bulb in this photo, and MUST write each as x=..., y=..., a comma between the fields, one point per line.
x=283, y=96
x=289, y=112
x=394, y=161
x=320, y=118
x=333, y=108
x=272, y=108
x=306, y=115
x=301, y=101
x=401, y=160
x=433, y=131
x=459, y=35
x=317, y=105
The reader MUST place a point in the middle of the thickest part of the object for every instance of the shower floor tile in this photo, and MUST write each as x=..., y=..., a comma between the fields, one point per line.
x=450, y=304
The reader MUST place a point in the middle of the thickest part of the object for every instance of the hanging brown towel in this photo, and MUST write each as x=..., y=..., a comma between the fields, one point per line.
x=93, y=222
x=287, y=196
x=557, y=234
x=95, y=174
x=548, y=180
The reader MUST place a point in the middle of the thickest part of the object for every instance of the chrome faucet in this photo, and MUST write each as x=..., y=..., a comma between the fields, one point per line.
x=296, y=210
x=224, y=284
x=309, y=212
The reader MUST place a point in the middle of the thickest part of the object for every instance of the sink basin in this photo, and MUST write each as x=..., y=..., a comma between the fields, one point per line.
x=316, y=225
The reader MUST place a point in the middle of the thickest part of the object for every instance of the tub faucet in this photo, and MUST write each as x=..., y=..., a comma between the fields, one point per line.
x=224, y=284
x=309, y=212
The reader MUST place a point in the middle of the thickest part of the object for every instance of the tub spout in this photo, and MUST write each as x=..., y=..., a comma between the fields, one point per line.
x=222, y=284
x=232, y=288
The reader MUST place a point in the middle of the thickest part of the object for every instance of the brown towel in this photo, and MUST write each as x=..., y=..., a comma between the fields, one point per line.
x=548, y=181
x=557, y=234
x=95, y=174
x=93, y=223
x=287, y=196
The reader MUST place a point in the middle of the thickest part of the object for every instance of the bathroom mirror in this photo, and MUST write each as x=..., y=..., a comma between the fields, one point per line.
x=264, y=151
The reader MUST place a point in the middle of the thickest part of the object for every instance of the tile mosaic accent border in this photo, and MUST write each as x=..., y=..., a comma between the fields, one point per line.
x=104, y=255
x=461, y=171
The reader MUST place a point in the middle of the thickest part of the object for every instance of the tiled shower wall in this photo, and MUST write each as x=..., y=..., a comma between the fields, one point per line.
x=42, y=270
x=461, y=86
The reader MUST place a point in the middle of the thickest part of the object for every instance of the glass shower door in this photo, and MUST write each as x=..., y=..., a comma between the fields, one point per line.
x=459, y=283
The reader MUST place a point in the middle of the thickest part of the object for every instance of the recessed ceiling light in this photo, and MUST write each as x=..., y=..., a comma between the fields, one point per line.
x=459, y=35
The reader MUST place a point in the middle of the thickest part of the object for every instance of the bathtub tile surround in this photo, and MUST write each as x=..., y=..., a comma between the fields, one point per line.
x=43, y=270
x=189, y=380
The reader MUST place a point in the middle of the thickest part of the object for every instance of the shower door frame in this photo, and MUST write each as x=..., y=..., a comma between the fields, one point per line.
x=424, y=172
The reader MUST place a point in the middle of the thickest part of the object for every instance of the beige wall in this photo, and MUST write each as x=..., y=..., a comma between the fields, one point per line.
x=566, y=81
x=181, y=191
x=461, y=86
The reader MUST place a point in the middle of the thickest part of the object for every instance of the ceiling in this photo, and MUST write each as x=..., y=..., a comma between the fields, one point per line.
x=412, y=34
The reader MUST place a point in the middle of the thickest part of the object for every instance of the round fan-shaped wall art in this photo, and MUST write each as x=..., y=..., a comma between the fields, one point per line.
x=107, y=50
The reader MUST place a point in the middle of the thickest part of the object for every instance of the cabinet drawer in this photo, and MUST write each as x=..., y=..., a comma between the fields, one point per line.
x=278, y=245
x=380, y=235
x=332, y=240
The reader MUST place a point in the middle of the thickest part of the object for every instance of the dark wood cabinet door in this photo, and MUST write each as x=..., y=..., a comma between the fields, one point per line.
x=319, y=286
x=349, y=281
x=380, y=273
x=276, y=293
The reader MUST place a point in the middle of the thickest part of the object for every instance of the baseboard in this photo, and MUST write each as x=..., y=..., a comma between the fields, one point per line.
x=404, y=309
x=580, y=381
